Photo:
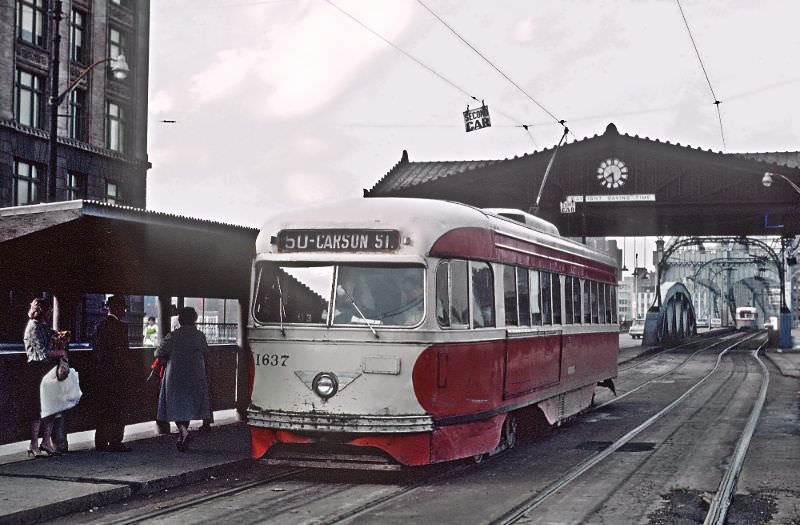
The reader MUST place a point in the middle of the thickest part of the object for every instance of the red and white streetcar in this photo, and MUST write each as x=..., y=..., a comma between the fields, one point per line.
x=388, y=332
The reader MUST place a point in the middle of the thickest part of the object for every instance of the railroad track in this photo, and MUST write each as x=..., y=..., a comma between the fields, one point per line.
x=737, y=337
x=522, y=510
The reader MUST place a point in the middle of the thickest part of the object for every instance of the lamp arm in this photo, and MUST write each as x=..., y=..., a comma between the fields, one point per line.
x=60, y=98
x=794, y=186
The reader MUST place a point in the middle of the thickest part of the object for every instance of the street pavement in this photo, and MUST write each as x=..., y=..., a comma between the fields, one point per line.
x=36, y=490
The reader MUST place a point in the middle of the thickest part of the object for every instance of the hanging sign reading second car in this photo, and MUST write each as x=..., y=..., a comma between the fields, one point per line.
x=567, y=207
x=477, y=118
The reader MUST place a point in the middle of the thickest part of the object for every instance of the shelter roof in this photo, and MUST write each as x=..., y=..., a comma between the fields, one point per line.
x=95, y=247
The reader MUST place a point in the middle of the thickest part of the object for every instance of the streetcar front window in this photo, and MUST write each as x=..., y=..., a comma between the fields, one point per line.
x=292, y=294
x=379, y=295
x=300, y=293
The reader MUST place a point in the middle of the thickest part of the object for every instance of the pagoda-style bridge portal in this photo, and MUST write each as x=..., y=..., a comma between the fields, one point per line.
x=622, y=186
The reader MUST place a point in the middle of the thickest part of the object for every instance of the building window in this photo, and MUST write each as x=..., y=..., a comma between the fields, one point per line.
x=116, y=42
x=77, y=115
x=28, y=96
x=31, y=22
x=77, y=40
x=115, y=127
x=112, y=192
x=76, y=184
x=27, y=177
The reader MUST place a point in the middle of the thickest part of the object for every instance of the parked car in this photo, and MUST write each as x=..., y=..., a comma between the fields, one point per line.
x=702, y=323
x=715, y=322
x=771, y=323
x=637, y=329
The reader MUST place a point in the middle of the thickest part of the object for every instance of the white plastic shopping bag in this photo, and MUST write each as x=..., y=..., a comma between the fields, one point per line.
x=57, y=396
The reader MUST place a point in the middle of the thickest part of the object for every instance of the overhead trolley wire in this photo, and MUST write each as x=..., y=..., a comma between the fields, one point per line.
x=717, y=102
x=448, y=26
x=420, y=63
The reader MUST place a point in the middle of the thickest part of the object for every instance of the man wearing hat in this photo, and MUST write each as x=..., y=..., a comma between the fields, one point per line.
x=110, y=342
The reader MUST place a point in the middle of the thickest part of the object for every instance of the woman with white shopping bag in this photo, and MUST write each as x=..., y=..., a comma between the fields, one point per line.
x=43, y=356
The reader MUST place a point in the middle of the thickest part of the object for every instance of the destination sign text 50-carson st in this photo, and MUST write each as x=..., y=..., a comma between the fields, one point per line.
x=338, y=240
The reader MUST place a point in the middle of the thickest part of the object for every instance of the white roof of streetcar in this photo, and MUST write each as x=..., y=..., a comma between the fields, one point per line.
x=421, y=222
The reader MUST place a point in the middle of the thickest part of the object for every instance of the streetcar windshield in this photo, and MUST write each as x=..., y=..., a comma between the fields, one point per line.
x=360, y=294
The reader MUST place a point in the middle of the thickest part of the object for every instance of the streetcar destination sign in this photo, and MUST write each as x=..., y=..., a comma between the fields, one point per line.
x=338, y=240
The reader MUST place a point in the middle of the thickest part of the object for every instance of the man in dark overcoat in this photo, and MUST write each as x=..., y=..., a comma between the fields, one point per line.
x=110, y=343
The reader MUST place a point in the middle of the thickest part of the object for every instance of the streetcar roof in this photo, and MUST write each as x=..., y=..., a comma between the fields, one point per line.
x=421, y=222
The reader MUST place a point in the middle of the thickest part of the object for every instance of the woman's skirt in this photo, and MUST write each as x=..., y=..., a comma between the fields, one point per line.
x=31, y=404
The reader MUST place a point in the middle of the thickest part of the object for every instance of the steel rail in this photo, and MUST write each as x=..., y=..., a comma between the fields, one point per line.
x=520, y=510
x=718, y=509
x=668, y=372
x=203, y=499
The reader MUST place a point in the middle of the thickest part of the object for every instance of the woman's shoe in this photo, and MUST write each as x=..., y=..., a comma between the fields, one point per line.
x=49, y=451
x=39, y=453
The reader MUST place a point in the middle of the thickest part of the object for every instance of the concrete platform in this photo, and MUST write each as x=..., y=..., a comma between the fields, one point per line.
x=34, y=490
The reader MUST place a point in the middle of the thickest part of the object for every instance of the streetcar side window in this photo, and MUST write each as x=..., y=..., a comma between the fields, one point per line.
x=568, y=304
x=547, y=299
x=610, y=302
x=587, y=302
x=601, y=300
x=536, y=298
x=595, y=303
x=523, y=293
x=443, y=294
x=556, y=288
x=576, y=299
x=510, y=295
x=459, y=296
x=482, y=295
x=452, y=297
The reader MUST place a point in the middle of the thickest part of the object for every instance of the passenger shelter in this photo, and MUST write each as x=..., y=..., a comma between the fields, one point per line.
x=68, y=249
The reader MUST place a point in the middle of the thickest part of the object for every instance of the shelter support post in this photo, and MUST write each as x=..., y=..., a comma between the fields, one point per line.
x=242, y=360
x=163, y=314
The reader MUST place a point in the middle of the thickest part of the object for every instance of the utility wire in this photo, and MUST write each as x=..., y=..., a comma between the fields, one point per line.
x=559, y=121
x=717, y=102
x=408, y=55
x=420, y=63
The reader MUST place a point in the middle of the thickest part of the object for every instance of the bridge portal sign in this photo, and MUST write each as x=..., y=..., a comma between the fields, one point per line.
x=477, y=118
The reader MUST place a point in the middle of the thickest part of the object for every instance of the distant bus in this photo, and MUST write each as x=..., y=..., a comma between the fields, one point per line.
x=746, y=318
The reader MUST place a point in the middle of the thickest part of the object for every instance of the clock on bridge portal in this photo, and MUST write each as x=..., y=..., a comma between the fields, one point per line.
x=612, y=173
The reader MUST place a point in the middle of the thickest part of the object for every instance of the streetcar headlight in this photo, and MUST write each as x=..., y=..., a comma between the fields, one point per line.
x=325, y=384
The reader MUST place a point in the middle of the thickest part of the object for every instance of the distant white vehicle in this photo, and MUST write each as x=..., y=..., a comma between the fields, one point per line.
x=637, y=329
x=702, y=323
x=771, y=322
x=715, y=322
x=746, y=318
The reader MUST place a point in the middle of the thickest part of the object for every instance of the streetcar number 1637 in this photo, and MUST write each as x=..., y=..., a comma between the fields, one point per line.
x=270, y=359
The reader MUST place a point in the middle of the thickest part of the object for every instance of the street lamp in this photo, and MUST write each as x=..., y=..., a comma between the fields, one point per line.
x=119, y=68
x=766, y=180
x=784, y=336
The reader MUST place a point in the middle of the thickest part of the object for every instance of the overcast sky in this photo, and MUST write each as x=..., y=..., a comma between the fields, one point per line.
x=282, y=103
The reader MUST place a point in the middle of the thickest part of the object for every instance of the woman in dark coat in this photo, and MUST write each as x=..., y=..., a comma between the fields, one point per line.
x=184, y=392
x=42, y=357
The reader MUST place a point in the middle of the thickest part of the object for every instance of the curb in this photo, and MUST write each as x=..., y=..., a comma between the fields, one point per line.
x=70, y=506
x=777, y=365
